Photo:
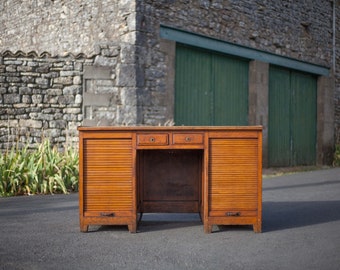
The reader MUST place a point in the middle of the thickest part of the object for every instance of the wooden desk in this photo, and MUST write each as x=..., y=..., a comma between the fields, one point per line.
x=127, y=171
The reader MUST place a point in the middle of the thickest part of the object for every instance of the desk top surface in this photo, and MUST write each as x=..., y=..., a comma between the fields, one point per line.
x=170, y=128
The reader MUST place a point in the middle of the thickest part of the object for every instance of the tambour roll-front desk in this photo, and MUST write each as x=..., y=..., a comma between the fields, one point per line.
x=128, y=171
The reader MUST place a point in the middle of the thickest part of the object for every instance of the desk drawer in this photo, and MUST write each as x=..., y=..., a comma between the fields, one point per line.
x=233, y=213
x=187, y=138
x=153, y=139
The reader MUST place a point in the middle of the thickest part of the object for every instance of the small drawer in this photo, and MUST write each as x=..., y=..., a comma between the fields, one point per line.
x=187, y=138
x=153, y=139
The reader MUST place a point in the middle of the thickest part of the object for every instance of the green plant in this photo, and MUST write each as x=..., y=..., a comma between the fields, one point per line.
x=44, y=170
x=336, y=161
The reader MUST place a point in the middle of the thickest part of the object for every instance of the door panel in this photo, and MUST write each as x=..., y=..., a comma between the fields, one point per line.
x=230, y=91
x=303, y=119
x=292, y=118
x=210, y=88
x=193, y=87
x=279, y=117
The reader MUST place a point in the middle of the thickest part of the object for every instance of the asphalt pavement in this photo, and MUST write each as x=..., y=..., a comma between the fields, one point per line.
x=301, y=230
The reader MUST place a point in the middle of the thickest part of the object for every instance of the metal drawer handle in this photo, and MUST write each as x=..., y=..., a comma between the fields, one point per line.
x=187, y=139
x=107, y=214
x=152, y=139
x=233, y=214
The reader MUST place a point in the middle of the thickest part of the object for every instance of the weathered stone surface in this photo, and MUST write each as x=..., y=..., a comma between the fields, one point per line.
x=30, y=123
x=68, y=26
x=44, y=73
x=43, y=86
x=126, y=75
x=72, y=90
x=11, y=98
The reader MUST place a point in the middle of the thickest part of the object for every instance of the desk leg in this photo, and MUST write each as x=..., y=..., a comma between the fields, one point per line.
x=257, y=227
x=207, y=228
x=84, y=228
x=132, y=228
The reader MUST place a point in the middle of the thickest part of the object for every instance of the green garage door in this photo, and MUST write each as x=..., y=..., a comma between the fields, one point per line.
x=210, y=88
x=292, y=118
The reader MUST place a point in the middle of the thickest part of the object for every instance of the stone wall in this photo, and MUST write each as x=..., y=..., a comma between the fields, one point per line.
x=298, y=29
x=40, y=97
x=337, y=73
x=60, y=27
x=52, y=54
x=51, y=96
x=66, y=63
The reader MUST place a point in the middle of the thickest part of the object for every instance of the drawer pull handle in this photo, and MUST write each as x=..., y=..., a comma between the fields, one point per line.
x=187, y=139
x=107, y=214
x=152, y=139
x=233, y=214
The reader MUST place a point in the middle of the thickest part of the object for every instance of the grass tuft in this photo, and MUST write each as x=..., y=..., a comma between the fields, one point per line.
x=44, y=170
x=336, y=160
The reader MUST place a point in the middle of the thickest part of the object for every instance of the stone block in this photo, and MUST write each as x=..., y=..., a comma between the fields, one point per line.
x=78, y=66
x=59, y=124
x=63, y=80
x=126, y=75
x=66, y=99
x=24, y=68
x=128, y=96
x=11, y=98
x=44, y=82
x=72, y=90
x=51, y=99
x=54, y=91
x=77, y=80
x=9, y=123
x=25, y=90
x=79, y=99
x=127, y=54
x=105, y=61
x=36, y=99
x=13, y=79
x=68, y=73
x=30, y=123
x=71, y=111
x=44, y=68
x=50, y=75
x=26, y=99
x=11, y=68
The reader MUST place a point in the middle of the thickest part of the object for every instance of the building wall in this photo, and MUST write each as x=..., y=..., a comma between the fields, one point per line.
x=337, y=70
x=60, y=27
x=52, y=54
x=122, y=72
x=39, y=97
x=301, y=30
x=298, y=29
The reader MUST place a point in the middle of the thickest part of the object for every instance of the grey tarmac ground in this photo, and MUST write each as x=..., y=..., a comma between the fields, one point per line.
x=301, y=230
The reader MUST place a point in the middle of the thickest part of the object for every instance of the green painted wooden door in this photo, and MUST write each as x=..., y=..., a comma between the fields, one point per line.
x=210, y=88
x=292, y=118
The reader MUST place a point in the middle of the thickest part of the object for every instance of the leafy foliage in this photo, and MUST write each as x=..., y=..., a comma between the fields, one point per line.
x=336, y=161
x=41, y=171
